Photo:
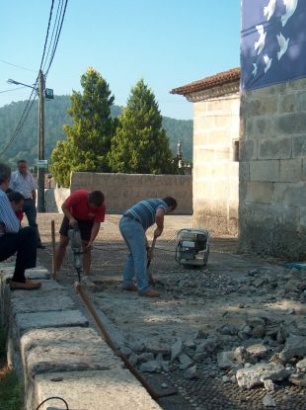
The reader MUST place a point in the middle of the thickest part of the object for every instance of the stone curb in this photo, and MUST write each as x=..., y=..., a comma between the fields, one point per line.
x=55, y=352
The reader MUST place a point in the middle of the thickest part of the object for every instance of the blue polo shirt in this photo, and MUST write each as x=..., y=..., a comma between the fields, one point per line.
x=145, y=211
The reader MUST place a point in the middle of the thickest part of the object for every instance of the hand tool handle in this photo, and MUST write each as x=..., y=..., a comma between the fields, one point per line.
x=152, y=250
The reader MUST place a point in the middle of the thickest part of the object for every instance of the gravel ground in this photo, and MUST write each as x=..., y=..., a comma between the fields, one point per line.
x=193, y=301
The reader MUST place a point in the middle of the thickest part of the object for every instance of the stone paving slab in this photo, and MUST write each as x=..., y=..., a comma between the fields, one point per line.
x=115, y=389
x=56, y=353
x=36, y=320
x=65, y=349
x=51, y=302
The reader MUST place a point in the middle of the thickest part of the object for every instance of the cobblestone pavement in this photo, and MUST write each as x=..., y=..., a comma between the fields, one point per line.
x=193, y=300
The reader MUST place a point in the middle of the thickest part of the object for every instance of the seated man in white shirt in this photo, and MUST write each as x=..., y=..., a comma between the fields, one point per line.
x=24, y=182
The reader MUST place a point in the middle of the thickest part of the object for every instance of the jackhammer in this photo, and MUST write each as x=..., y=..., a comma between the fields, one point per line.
x=74, y=235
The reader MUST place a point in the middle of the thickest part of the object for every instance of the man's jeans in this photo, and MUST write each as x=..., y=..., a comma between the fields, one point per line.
x=136, y=264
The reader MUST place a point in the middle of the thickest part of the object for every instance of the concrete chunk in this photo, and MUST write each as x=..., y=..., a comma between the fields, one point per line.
x=255, y=375
x=295, y=346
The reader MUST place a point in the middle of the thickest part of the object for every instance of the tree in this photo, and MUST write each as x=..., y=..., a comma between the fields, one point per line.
x=140, y=144
x=89, y=137
x=61, y=166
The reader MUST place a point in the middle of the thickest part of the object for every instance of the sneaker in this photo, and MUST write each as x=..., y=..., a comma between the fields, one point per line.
x=27, y=285
x=151, y=293
x=87, y=281
x=131, y=288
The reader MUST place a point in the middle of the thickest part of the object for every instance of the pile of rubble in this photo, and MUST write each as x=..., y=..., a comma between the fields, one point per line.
x=265, y=350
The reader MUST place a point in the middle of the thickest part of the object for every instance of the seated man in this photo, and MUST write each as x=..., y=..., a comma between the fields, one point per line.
x=17, y=201
x=14, y=239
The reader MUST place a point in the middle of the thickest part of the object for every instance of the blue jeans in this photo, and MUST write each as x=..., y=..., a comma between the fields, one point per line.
x=136, y=264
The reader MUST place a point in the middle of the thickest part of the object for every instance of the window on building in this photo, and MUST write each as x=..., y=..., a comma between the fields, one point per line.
x=236, y=151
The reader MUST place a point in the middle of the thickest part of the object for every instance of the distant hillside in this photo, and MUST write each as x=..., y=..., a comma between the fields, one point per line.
x=25, y=143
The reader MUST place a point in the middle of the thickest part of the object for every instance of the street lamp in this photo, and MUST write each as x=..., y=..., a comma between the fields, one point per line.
x=10, y=81
x=41, y=162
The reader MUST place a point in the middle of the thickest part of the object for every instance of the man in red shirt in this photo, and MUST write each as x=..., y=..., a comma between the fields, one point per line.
x=87, y=209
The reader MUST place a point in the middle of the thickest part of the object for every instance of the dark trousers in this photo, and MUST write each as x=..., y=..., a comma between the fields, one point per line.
x=30, y=210
x=23, y=243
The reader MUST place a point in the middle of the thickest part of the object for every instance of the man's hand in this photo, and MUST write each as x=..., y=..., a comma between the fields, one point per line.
x=89, y=246
x=72, y=221
x=158, y=232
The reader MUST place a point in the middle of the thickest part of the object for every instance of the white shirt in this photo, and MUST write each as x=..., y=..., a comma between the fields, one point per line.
x=23, y=184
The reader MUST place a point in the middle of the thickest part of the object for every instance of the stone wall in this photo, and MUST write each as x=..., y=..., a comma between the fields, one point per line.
x=215, y=170
x=273, y=170
x=123, y=190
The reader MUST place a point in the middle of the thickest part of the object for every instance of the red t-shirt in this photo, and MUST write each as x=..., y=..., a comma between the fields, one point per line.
x=78, y=205
x=19, y=215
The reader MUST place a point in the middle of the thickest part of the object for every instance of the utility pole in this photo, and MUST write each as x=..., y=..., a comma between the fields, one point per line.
x=42, y=163
x=41, y=144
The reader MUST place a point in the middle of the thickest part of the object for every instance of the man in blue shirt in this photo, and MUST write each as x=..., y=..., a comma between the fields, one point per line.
x=133, y=225
x=14, y=239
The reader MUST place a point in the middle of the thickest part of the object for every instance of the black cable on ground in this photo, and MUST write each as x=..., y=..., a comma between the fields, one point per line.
x=107, y=249
x=53, y=398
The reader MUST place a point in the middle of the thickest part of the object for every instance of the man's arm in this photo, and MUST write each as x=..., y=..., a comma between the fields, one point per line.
x=94, y=232
x=12, y=181
x=8, y=217
x=68, y=214
x=34, y=195
x=159, y=220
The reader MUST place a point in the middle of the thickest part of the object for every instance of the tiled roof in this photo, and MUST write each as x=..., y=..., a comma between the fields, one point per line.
x=226, y=77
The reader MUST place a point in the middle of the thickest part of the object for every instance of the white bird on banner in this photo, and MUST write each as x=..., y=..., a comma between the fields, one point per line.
x=283, y=45
x=290, y=6
x=269, y=9
x=260, y=43
x=267, y=61
x=273, y=42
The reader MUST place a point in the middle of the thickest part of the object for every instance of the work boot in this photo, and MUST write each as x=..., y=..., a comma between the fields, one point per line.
x=151, y=293
x=132, y=287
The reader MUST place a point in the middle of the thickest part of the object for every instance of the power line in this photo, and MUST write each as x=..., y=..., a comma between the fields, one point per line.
x=58, y=33
x=12, y=89
x=22, y=120
x=47, y=35
x=57, y=28
x=53, y=32
x=18, y=66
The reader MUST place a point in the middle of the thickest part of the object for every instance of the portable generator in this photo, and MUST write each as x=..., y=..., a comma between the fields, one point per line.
x=192, y=247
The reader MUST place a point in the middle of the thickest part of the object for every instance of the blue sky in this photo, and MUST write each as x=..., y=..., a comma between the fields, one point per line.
x=168, y=43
